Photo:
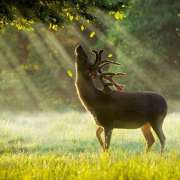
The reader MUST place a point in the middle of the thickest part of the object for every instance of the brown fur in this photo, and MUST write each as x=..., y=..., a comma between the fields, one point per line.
x=127, y=110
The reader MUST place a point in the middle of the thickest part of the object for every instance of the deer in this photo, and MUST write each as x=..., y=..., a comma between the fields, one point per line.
x=116, y=108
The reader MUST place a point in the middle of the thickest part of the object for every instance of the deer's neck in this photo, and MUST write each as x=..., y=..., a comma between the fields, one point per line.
x=85, y=86
x=87, y=93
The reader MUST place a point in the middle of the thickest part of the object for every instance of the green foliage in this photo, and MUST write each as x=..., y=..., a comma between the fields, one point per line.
x=146, y=43
x=52, y=12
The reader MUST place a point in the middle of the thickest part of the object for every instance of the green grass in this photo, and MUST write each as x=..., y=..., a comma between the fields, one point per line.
x=64, y=146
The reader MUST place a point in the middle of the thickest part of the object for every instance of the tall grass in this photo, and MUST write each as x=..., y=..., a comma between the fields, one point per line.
x=90, y=166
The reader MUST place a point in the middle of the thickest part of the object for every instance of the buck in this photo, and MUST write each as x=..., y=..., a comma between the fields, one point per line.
x=117, y=109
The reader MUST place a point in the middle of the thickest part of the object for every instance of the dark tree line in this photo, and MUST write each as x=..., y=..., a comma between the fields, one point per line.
x=48, y=11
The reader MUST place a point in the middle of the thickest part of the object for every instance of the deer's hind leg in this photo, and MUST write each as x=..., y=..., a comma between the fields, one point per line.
x=146, y=130
x=107, y=138
x=158, y=130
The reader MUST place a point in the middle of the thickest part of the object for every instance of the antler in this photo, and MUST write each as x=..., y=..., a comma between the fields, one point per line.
x=106, y=62
x=109, y=77
x=99, y=63
x=97, y=68
x=98, y=57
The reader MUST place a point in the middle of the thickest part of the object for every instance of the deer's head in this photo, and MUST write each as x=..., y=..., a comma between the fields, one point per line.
x=94, y=71
x=82, y=61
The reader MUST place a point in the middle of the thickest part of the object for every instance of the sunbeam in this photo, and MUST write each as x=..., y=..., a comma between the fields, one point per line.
x=29, y=86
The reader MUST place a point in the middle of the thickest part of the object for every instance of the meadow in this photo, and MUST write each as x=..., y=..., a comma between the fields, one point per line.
x=64, y=146
x=37, y=43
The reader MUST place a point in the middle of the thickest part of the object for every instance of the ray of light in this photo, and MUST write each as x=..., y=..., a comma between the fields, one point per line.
x=60, y=59
x=28, y=85
x=53, y=43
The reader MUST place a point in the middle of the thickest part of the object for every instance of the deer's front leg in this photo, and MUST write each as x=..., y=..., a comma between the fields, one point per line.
x=107, y=136
x=98, y=134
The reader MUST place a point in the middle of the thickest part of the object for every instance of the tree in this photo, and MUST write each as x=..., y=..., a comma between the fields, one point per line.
x=55, y=12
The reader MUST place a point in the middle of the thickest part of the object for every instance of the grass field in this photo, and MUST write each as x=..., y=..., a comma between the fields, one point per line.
x=64, y=146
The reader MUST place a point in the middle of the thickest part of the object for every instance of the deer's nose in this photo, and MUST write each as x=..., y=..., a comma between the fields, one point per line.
x=78, y=49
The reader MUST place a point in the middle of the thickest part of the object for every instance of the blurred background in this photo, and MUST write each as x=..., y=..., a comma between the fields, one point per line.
x=37, y=61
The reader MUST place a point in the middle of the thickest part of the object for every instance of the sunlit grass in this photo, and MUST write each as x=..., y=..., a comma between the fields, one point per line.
x=90, y=166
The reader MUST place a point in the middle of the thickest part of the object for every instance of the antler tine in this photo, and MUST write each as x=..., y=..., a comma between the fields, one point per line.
x=112, y=74
x=100, y=56
x=120, y=73
x=106, y=62
x=97, y=56
x=94, y=51
x=101, y=51
x=109, y=77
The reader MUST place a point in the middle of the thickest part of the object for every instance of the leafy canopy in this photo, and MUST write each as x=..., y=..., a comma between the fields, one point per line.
x=55, y=12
